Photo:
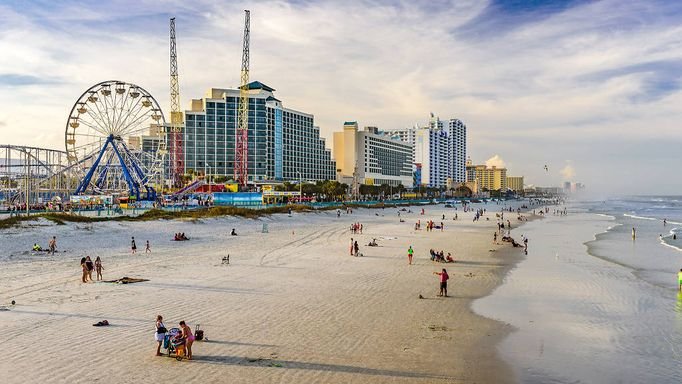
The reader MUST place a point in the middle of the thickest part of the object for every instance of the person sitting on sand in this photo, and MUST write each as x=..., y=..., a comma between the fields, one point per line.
x=373, y=243
x=449, y=258
x=37, y=247
x=233, y=233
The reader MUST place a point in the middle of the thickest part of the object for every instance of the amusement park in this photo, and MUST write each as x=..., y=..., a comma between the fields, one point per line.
x=120, y=149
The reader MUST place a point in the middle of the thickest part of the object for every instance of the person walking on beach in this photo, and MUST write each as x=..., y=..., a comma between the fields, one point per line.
x=352, y=246
x=410, y=252
x=53, y=245
x=494, y=237
x=356, y=248
x=98, y=268
x=147, y=248
x=84, y=269
x=133, y=247
x=634, y=233
x=159, y=334
x=443, y=282
x=189, y=338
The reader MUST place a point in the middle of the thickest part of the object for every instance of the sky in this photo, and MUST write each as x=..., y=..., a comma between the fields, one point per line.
x=592, y=89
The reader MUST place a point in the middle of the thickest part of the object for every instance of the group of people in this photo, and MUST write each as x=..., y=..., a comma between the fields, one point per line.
x=356, y=228
x=430, y=226
x=180, y=237
x=88, y=266
x=133, y=246
x=354, y=248
x=185, y=337
x=52, y=246
x=440, y=257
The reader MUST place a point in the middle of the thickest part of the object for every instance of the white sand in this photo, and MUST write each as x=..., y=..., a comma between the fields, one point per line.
x=292, y=307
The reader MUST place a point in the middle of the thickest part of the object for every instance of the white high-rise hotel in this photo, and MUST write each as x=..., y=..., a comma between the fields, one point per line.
x=439, y=151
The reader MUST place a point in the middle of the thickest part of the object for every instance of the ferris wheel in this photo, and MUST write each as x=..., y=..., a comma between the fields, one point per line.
x=115, y=140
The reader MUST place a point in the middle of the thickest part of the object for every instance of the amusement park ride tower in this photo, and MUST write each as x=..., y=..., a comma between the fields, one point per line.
x=174, y=136
x=242, y=148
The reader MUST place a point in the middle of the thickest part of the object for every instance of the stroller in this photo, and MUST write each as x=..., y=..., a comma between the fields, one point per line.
x=174, y=343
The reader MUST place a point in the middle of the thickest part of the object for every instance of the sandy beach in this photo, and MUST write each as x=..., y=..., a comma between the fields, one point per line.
x=293, y=306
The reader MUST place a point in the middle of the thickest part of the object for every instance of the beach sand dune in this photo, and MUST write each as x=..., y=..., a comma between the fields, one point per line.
x=292, y=306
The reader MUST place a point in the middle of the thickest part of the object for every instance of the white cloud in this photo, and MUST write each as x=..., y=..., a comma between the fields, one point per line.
x=557, y=87
x=495, y=161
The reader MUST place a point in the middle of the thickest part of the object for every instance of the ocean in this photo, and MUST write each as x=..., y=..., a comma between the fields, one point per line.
x=589, y=303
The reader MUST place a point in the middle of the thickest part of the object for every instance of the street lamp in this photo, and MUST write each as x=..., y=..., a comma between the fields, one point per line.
x=210, y=170
x=300, y=187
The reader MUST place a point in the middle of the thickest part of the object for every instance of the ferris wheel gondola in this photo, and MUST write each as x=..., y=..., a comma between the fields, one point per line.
x=114, y=139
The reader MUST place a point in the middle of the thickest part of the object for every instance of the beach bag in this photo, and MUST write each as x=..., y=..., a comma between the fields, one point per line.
x=161, y=330
x=198, y=333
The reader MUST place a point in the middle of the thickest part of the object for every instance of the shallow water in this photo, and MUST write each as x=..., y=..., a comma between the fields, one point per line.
x=602, y=312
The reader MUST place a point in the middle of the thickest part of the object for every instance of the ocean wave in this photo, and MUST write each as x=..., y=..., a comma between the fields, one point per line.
x=673, y=246
x=650, y=218
x=640, y=217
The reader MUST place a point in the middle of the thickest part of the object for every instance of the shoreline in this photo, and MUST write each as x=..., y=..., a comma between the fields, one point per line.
x=272, y=318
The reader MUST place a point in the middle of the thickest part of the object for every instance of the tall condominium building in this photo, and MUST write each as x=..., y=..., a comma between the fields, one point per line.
x=439, y=151
x=490, y=178
x=283, y=144
x=515, y=183
x=371, y=157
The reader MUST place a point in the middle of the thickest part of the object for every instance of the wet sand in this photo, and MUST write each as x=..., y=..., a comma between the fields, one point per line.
x=292, y=306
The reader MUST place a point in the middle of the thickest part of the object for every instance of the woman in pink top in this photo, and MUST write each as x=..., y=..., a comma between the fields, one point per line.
x=443, y=282
x=189, y=338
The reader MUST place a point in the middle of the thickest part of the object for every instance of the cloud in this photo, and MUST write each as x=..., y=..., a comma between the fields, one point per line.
x=495, y=161
x=568, y=172
x=536, y=82
x=17, y=80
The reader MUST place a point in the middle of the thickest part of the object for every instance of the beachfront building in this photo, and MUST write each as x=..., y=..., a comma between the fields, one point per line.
x=371, y=157
x=284, y=144
x=515, y=183
x=439, y=151
x=488, y=178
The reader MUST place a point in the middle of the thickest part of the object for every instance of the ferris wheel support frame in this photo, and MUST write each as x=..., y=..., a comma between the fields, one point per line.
x=133, y=185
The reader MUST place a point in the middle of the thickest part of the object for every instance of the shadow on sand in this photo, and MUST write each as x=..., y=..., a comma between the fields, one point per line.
x=287, y=364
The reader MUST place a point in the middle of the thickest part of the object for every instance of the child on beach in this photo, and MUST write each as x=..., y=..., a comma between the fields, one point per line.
x=98, y=268
x=189, y=338
x=410, y=252
x=133, y=247
x=147, y=249
x=443, y=282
